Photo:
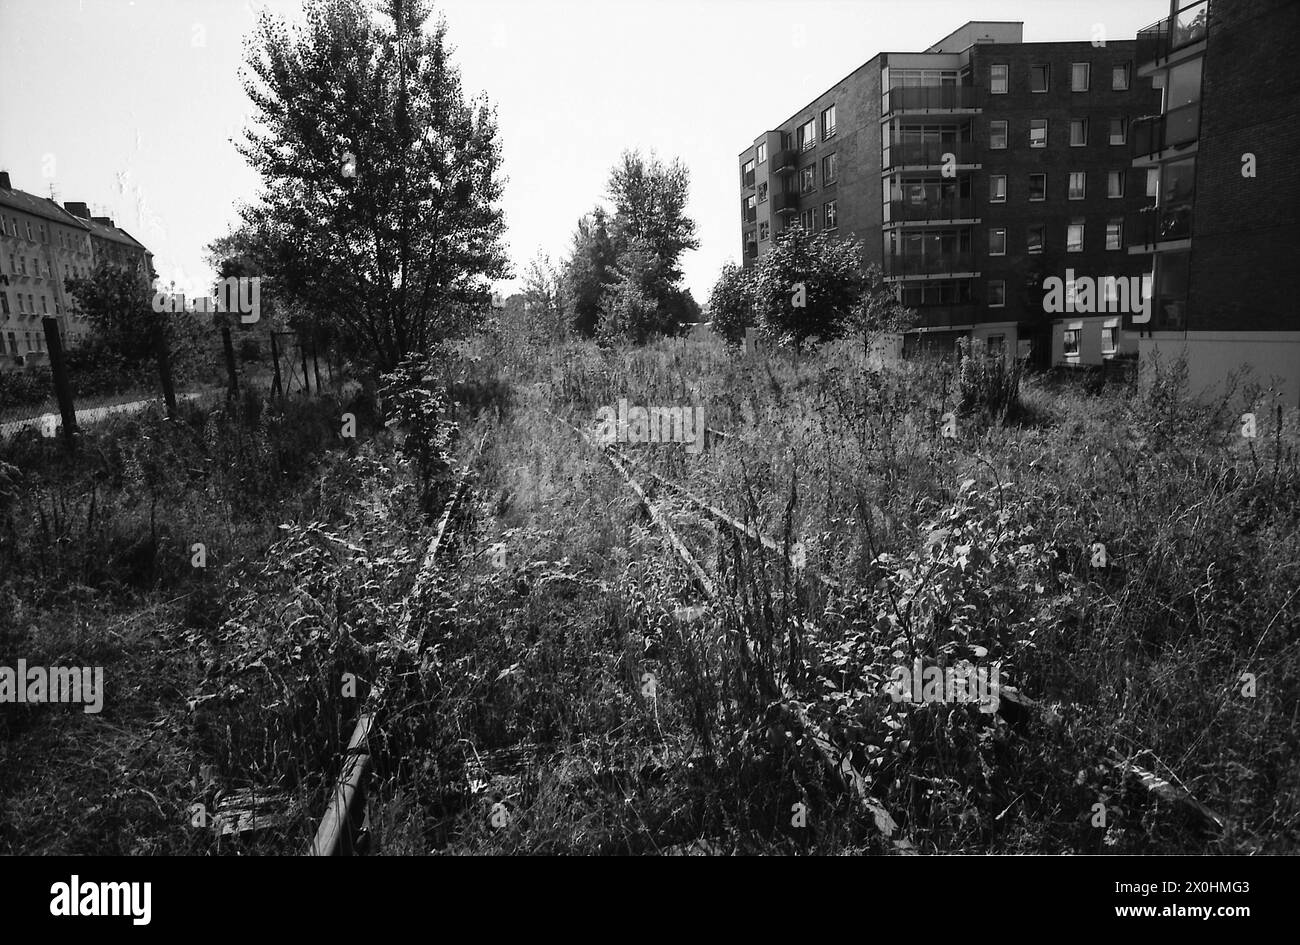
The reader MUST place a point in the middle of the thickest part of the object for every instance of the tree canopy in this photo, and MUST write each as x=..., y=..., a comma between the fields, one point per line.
x=379, y=179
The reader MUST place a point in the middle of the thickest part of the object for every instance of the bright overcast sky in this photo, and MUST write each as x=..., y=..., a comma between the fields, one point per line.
x=127, y=104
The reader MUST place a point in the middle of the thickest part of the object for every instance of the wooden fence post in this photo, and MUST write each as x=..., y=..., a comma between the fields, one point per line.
x=277, y=389
x=59, y=370
x=164, y=364
x=302, y=350
x=233, y=390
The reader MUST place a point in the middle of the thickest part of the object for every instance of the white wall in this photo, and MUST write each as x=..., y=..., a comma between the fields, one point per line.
x=1212, y=355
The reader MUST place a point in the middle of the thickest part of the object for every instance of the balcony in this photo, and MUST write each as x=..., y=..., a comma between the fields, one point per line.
x=954, y=208
x=785, y=203
x=785, y=161
x=933, y=98
x=936, y=264
x=1155, y=133
x=927, y=153
x=747, y=180
x=946, y=316
x=1160, y=40
x=1156, y=225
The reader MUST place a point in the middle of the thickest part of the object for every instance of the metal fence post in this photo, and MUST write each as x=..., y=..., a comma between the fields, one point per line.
x=59, y=370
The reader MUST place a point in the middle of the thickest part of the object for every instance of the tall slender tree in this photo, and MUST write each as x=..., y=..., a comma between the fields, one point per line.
x=379, y=179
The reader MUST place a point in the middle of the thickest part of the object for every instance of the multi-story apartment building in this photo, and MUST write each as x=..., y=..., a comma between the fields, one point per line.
x=41, y=246
x=971, y=172
x=1223, y=228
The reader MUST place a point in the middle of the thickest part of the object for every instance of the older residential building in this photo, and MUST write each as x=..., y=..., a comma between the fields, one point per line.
x=972, y=172
x=1222, y=229
x=42, y=245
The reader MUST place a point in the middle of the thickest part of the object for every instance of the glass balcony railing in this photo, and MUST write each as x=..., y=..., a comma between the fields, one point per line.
x=1159, y=40
x=927, y=264
x=954, y=208
x=931, y=98
x=1153, y=134
x=1159, y=225
x=945, y=316
x=927, y=153
x=785, y=202
x=785, y=161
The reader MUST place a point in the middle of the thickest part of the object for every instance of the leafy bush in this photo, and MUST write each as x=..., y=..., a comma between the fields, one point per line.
x=986, y=383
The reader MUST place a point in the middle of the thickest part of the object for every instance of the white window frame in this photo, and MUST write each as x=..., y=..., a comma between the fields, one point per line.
x=1006, y=134
x=993, y=231
x=1087, y=76
x=1071, y=226
x=1082, y=178
x=993, y=191
x=993, y=78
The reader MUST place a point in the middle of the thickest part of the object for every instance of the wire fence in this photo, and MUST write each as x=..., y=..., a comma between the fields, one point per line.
x=54, y=389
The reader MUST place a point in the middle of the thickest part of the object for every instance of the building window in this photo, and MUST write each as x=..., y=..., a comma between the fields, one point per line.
x=1071, y=341
x=808, y=220
x=747, y=174
x=762, y=191
x=22, y=265
x=13, y=266
x=1115, y=234
x=807, y=135
x=997, y=293
x=997, y=188
x=998, y=79
x=45, y=309
x=762, y=153
x=22, y=303
x=1034, y=242
x=828, y=123
x=995, y=346
x=997, y=135
x=1153, y=181
x=832, y=215
x=764, y=231
x=13, y=343
x=828, y=169
x=1074, y=237
x=1078, y=132
x=1079, y=76
x=1038, y=78
x=997, y=241
x=1037, y=186
x=1038, y=132
x=808, y=179
x=4, y=303
x=1078, y=185
x=1108, y=340
x=1114, y=184
x=29, y=233
x=1119, y=78
x=1118, y=131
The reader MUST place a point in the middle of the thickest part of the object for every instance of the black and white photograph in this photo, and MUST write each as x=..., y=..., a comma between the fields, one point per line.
x=621, y=428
